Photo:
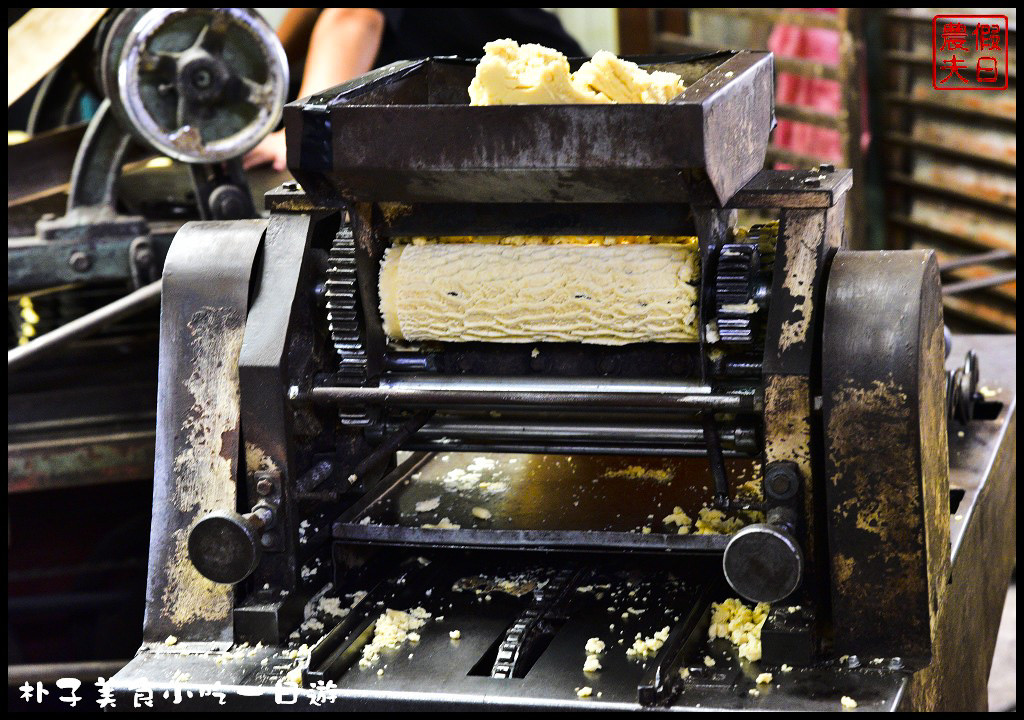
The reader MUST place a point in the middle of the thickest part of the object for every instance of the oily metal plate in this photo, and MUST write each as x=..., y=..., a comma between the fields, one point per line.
x=578, y=502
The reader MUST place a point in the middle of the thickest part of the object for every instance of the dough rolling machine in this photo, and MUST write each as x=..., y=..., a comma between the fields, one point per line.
x=555, y=311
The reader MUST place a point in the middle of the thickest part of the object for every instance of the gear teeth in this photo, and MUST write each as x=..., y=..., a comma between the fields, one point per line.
x=342, y=288
x=738, y=266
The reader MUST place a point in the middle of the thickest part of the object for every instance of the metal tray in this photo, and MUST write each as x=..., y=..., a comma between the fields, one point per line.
x=544, y=502
x=406, y=133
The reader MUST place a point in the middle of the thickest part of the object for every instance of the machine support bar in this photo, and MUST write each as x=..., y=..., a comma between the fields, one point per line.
x=532, y=393
x=130, y=304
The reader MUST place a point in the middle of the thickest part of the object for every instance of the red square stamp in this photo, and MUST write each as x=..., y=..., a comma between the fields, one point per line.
x=970, y=52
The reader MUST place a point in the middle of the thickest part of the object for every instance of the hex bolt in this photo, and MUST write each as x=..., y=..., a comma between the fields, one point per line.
x=268, y=539
x=781, y=480
x=80, y=261
x=264, y=486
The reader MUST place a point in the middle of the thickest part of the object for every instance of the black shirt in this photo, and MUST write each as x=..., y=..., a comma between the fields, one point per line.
x=422, y=32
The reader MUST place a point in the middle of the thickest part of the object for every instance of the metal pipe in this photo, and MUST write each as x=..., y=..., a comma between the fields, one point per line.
x=84, y=326
x=390, y=444
x=980, y=283
x=536, y=448
x=443, y=390
x=51, y=672
x=596, y=432
x=979, y=259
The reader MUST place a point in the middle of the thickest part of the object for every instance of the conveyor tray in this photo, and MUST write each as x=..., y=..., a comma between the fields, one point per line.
x=543, y=502
x=406, y=133
x=613, y=599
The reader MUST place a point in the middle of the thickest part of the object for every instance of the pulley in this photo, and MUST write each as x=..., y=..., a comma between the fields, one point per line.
x=201, y=85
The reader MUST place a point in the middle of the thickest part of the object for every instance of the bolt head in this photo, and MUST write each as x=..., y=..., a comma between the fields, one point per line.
x=80, y=261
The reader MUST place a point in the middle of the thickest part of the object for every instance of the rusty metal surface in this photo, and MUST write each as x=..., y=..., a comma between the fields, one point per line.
x=406, y=133
x=206, y=292
x=887, y=483
x=807, y=238
x=983, y=464
x=269, y=348
x=807, y=189
x=405, y=219
x=808, y=235
x=81, y=459
x=67, y=428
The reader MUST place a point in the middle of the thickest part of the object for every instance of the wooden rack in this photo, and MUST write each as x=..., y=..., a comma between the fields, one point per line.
x=948, y=168
x=673, y=30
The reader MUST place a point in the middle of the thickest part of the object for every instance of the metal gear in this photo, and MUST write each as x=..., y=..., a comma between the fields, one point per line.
x=343, y=319
x=739, y=265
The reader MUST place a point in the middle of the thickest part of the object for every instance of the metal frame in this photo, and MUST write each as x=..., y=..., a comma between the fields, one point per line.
x=982, y=464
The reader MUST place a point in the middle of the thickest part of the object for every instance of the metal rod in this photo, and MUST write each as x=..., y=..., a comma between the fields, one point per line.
x=51, y=672
x=506, y=391
x=980, y=283
x=84, y=326
x=537, y=448
x=598, y=432
x=980, y=259
x=391, y=443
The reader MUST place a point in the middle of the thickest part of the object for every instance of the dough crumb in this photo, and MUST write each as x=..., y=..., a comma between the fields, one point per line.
x=639, y=472
x=392, y=628
x=678, y=517
x=442, y=524
x=764, y=678
x=428, y=505
x=848, y=702
x=647, y=647
x=740, y=624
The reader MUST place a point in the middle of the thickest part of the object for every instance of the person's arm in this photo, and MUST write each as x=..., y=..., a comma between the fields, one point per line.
x=344, y=44
x=295, y=30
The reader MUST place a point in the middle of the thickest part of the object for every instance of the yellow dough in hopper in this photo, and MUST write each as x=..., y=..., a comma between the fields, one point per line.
x=600, y=294
x=622, y=81
x=513, y=74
